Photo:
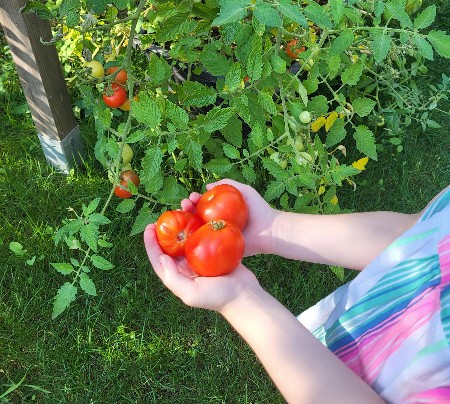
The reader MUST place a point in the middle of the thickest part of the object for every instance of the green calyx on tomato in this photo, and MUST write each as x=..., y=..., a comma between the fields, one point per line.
x=293, y=49
x=173, y=229
x=126, y=178
x=215, y=249
x=223, y=202
x=114, y=96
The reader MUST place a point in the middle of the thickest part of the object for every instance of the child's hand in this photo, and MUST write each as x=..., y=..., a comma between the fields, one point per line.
x=212, y=293
x=258, y=232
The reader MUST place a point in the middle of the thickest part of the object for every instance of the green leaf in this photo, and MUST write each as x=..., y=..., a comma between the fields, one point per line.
x=87, y=285
x=267, y=102
x=278, y=64
x=337, y=10
x=337, y=133
x=266, y=14
x=230, y=11
x=363, y=106
x=177, y=115
x=341, y=172
x=232, y=132
x=440, y=41
x=365, y=141
x=89, y=234
x=214, y=62
x=425, y=18
x=293, y=12
x=218, y=166
x=195, y=154
x=352, y=74
x=397, y=8
x=146, y=111
x=143, y=219
x=121, y=4
x=231, y=151
x=127, y=205
x=173, y=191
x=66, y=294
x=37, y=8
x=342, y=42
x=318, y=105
x=98, y=219
x=274, y=190
x=197, y=95
x=217, y=118
x=381, y=45
x=151, y=163
x=317, y=14
x=62, y=267
x=249, y=174
x=424, y=47
x=17, y=248
x=233, y=78
x=303, y=92
x=96, y=6
x=254, y=61
x=91, y=207
x=101, y=263
x=158, y=70
x=257, y=136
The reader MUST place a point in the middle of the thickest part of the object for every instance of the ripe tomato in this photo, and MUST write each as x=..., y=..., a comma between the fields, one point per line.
x=97, y=69
x=215, y=249
x=174, y=228
x=126, y=106
x=223, y=202
x=126, y=177
x=121, y=77
x=293, y=50
x=114, y=96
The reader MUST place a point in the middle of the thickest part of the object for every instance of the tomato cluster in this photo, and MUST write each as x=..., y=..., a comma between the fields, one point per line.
x=211, y=238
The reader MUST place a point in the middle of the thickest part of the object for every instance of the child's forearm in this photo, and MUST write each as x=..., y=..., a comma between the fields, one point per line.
x=301, y=367
x=348, y=240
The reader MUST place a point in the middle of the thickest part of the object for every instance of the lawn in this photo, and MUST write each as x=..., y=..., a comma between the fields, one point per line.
x=135, y=341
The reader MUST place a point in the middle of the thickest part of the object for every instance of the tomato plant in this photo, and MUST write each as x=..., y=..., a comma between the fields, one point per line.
x=96, y=67
x=223, y=202
x=121, y=77
x=173, y=229
x=305, y=117
x=293, y=49
x=126, y=177
x=215, y=249
x=114, y=96
x=127, y=153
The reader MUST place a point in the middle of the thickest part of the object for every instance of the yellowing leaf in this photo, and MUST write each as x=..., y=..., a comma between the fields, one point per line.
x=318, y=123
x=361, y=163
x=312, y=34
x=334, y=200
x=321, y=190
x=330, y=120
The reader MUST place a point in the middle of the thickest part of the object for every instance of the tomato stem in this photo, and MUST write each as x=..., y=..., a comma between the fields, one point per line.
x=217, y=224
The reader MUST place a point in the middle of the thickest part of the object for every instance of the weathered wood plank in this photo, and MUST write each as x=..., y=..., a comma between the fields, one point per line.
x=43, y=83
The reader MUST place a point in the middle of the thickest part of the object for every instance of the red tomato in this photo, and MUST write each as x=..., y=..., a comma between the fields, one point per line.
x=126, y=177
x=174, y=228
x=121, y=77
x=223, y=202
x=114, y=96
x=293, y=50
x=215, y=249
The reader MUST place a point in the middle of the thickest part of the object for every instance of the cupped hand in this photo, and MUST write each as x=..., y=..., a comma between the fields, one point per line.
x=213, y=293
x=258, y=231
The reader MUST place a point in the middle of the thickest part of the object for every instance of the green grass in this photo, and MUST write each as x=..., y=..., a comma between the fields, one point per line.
x=135, y=341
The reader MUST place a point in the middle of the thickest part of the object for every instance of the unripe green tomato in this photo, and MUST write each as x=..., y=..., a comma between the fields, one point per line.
x=298, y=144
x=305, y=117
x=306, y=65
x=127, y=153
x=97, y=69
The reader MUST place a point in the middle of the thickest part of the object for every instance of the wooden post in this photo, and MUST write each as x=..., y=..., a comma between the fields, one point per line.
x=43, y=83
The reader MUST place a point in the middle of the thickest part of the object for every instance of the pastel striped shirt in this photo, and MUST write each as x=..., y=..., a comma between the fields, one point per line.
x=391, y=324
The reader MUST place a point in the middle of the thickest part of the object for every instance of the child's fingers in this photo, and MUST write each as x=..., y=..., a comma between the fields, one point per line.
x=165, y=267
x=189, y=205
